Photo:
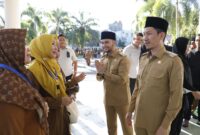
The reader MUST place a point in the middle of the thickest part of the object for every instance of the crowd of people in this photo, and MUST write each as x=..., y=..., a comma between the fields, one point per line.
x=163, y=81
x=150, y=86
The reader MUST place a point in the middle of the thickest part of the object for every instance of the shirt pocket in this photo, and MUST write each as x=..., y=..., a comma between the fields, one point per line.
x=114, y=66
x=114, y=71
x=157, y=73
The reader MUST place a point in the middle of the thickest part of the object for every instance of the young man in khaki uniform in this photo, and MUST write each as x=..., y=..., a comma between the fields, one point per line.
x=113, y=69
x=157, y=97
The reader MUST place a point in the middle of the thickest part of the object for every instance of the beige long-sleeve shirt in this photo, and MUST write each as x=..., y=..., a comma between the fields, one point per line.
x=157, y=97
x=115, y=79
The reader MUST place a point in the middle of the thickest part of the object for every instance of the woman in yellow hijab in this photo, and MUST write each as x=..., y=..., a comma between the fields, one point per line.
x=51, y=82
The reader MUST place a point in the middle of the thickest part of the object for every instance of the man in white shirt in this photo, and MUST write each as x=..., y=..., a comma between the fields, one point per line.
x=67, y=59
x=132, y=51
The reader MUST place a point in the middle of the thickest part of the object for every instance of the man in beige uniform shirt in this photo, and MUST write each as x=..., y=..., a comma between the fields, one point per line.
x=157, y=97
x=113, y=69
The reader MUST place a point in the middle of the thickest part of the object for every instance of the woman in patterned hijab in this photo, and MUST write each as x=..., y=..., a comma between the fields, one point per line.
x=23, y=110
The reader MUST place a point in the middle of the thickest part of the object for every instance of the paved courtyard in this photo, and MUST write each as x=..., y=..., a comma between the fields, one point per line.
x=90, y=103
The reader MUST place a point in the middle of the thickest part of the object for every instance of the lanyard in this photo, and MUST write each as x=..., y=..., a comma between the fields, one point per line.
x=16, y=72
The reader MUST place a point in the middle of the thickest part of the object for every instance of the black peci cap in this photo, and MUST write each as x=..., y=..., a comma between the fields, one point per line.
x=157, y=22
x=108, y=35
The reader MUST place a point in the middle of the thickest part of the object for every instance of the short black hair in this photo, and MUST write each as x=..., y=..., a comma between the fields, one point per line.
x=61, y=35
x=159, y=30
x=139, y=34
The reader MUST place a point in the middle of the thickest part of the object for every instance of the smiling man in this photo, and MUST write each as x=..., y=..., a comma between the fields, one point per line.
x=132, y=51
x=158, y=92
x=113, y=69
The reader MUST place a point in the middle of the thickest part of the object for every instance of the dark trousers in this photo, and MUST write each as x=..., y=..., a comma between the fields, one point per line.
x=132, y=84
x=177, y=122
x=188, y=112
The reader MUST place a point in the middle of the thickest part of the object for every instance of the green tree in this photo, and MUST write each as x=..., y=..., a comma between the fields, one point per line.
x=188, y=15
x=59, y=21
x=32, y=21
x=92, y=38
x=81, y=27
x=189, y=18
x=146, y=10
x=162, y=8
x=165, y=9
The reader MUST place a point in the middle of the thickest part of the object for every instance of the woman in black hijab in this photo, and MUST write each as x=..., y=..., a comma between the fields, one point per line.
x=180, y=49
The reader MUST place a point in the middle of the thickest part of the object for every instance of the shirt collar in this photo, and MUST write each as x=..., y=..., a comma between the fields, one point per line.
x=160, y=52
x=113, y=53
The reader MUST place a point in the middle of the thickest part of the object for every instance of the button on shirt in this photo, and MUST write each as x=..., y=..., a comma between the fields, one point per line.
x=115, y=79
x=67, y=56
x=157, y=97
x=133, y=54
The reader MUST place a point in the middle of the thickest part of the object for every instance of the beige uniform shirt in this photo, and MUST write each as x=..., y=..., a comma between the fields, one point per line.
x=115, y=79
x=157, y=97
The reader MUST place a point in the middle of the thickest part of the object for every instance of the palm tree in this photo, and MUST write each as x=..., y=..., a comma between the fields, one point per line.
x=188, y=16
x=146, y=10
x=92, y=38
x=162, y=8
x=59, y=21
x=32, y=21
x=166, y=10
x=82, y=26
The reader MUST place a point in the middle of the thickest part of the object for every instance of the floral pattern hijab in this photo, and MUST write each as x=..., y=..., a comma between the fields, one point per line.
x=15, y=90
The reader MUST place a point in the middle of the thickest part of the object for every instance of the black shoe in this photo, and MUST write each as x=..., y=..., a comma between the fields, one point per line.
x=185, y=123
x=194, y=116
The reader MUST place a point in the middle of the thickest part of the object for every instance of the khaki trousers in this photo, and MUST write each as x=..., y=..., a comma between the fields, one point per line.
x=111, y=115
x=15, y=120
x=144, y=131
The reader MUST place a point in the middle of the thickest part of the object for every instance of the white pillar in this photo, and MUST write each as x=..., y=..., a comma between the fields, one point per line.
x=12, y=14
